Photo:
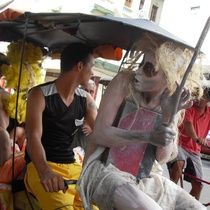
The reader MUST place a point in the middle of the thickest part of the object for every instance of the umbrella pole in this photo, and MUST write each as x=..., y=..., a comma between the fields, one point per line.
x=196, y=52
x=16, y=109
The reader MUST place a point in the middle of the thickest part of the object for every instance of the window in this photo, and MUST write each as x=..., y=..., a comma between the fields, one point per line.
x=153, y=13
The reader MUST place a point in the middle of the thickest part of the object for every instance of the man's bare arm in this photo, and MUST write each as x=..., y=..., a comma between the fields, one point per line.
x=34, y=130
x=50, y=181
x=91, y=112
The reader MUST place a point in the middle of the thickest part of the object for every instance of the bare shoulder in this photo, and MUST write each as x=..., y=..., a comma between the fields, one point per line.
x=113, y=97
x=35, y=99
x=119, y=80
x=35, y=92
x=117, y=87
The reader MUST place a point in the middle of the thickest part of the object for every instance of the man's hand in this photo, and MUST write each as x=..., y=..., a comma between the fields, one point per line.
x=52, y=182
x=86, y=129
x=162, y=136
x=202, y=142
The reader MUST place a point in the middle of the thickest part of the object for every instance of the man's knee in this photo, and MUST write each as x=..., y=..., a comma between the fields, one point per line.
x=177, y=167
x=180, y=164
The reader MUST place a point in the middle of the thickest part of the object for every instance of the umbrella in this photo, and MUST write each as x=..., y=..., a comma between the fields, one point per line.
x=55, y=30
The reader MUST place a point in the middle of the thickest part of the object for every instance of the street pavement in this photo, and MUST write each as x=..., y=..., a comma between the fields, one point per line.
x=205, y=194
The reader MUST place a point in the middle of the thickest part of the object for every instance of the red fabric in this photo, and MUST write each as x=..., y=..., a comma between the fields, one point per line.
x=129, y=158
x=6, y=169
x=201, y=126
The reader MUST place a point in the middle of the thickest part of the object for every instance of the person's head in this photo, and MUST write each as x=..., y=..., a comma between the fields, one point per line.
x=90, y=87
x=205, y=99
x=73, y=54
x=147, y=78
x=78, y=57
x=166, y=59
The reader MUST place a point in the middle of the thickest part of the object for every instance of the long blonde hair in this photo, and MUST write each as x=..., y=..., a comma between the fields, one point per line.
x=173, y=59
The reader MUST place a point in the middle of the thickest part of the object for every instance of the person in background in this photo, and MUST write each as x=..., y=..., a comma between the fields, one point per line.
x=20, y=138
x=83, y=133
x=7, y=140
x=5, y=148
x=55, y=110
x=192, y=134
x=90, y=88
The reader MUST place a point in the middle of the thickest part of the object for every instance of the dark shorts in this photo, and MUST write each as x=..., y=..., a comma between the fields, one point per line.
x=192, y=163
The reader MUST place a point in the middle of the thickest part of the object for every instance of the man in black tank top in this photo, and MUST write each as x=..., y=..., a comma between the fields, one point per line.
x=54, y=112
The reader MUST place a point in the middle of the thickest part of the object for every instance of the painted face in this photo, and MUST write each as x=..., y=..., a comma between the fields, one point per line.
x=147, y=79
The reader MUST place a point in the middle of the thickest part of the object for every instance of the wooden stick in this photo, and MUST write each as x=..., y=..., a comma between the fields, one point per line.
x=196, y=52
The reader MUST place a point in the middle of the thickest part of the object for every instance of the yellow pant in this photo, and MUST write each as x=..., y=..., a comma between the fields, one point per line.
x=58, y=200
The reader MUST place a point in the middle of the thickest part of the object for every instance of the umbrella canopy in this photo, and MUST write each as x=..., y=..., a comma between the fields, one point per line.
x=55, y=30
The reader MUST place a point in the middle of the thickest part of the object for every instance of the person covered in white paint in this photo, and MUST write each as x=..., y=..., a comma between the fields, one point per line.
x=133, y=127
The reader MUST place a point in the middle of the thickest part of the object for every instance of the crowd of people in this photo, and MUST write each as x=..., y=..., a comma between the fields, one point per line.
x=123, y=140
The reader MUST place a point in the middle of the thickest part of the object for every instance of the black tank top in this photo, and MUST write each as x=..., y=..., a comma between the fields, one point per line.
x=60, y=123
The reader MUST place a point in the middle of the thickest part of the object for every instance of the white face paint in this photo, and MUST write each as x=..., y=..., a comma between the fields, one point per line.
x=146, y=78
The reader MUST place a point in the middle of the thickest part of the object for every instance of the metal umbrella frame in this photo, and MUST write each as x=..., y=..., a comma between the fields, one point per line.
x=55, y=30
